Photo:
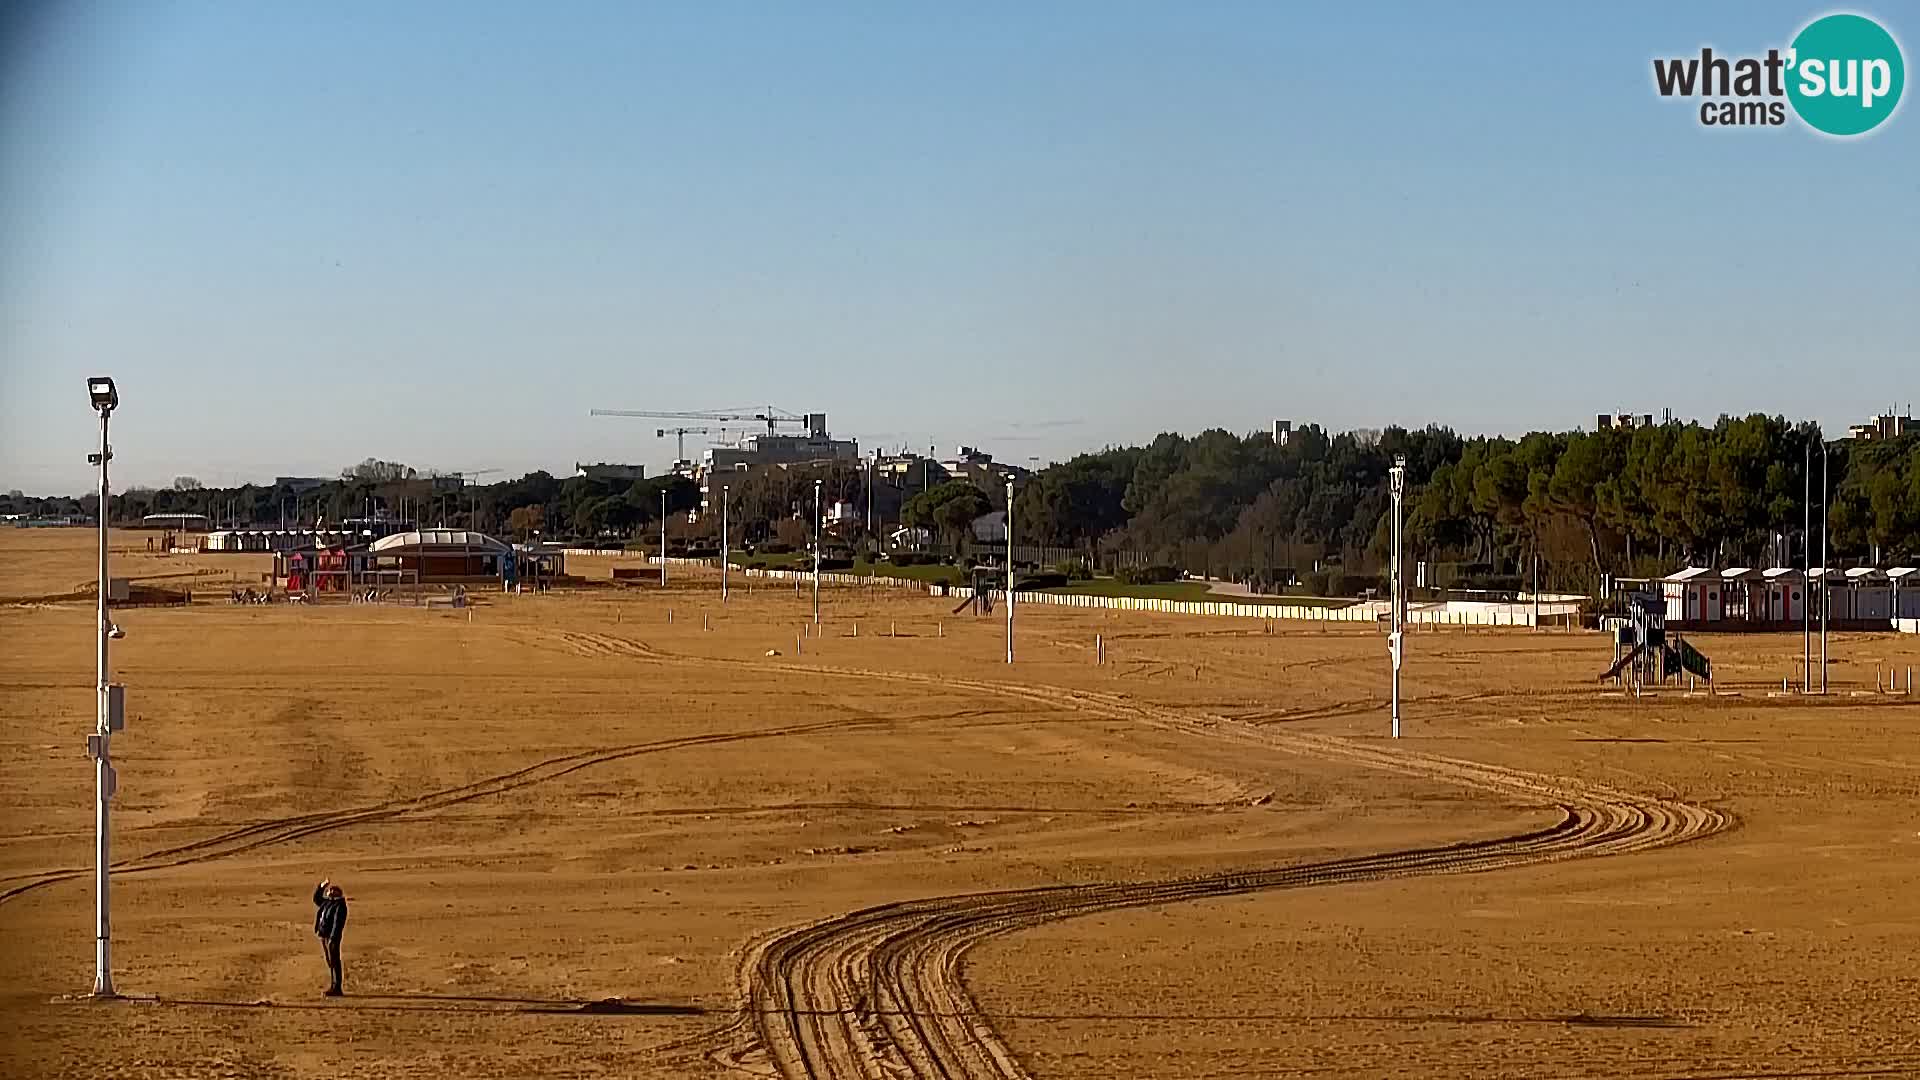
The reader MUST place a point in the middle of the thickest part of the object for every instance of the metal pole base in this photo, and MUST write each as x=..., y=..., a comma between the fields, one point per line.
x=102, y=972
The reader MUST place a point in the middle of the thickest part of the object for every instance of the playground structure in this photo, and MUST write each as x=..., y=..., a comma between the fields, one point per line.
x=983, y=581
x=1643, y=654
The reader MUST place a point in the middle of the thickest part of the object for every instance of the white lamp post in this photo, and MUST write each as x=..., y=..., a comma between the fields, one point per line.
x=1396, y=485
x=1009, y=569
x=726, y=496
x=663, y=536
x=109, y=715
x=1824, y=565
x=816, y=552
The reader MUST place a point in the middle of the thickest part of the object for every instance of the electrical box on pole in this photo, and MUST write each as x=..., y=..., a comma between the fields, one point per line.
x=116, y=707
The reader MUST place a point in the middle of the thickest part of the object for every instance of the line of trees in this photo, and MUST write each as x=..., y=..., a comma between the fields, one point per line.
x=1482, y=510
x=1615, y=501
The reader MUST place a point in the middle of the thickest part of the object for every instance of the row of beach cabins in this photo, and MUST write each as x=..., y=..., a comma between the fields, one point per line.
x=1778, y=598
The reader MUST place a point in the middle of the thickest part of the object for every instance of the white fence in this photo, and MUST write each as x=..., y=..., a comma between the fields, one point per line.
x=1469, y=613
x=1441, y=613
x=879, y=580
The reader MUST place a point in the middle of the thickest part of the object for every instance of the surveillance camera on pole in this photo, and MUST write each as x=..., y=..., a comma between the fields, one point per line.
x=110, y=710
x=1396, y=485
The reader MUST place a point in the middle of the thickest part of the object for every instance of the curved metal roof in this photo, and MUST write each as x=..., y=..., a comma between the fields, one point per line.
x=439, y=538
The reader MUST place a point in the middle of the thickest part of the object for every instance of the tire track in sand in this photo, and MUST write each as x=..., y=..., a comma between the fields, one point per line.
x=876, y=994
x=283, y=830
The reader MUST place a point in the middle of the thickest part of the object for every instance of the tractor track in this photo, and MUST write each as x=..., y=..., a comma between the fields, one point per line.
x=283, y=830
x=877, y=994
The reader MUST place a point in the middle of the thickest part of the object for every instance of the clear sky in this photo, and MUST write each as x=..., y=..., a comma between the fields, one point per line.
x=303, y=234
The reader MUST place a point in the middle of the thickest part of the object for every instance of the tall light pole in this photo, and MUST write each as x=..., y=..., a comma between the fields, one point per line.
x=816, y=551
x=1396, y=485
x=726, y=496
x=1009, y=569
x=663, y=535
x=108, y=712
x=1825, y=569
x=1806, y=573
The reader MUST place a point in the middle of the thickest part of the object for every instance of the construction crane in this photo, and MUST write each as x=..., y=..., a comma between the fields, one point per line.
x=473, y=497
x=681, y=433
x=768, y=415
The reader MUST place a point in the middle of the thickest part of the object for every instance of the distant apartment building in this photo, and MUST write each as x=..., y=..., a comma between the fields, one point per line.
x=774, y=449
x=771, y=451
x=1882, y=427
x=300, y=485
x=1622, y=421
x=978, y=468
x=606, y=470
x=1630, y=421
x=909, y=472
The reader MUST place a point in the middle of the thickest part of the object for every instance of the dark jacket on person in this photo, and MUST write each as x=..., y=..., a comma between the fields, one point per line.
x=331, y=920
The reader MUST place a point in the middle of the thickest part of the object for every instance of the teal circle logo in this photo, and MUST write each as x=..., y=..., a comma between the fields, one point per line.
x=1845, y=74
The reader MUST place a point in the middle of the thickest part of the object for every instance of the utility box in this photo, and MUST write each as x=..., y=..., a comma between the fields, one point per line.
x=116, y=707
x=119, y=589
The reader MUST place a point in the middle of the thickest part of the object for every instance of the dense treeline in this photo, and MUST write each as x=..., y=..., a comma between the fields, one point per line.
x=1479, y=509
x=1586, y=503
x=576, y=506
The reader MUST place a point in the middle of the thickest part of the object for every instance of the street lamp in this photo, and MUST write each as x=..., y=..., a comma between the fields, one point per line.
x=109, y=711
x=816, y=551
x=663, y=537
x=1396, y=485
x=726, y=496
x=1824, y=568
x=1009, y=569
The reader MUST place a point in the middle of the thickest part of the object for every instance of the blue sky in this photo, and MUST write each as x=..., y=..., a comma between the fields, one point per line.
x=300, y=235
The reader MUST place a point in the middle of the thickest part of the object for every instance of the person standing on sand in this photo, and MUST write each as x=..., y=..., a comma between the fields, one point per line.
x=329, y=922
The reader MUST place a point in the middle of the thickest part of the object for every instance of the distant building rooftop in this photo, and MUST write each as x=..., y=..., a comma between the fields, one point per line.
x=177, y=521
x=607, y=470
